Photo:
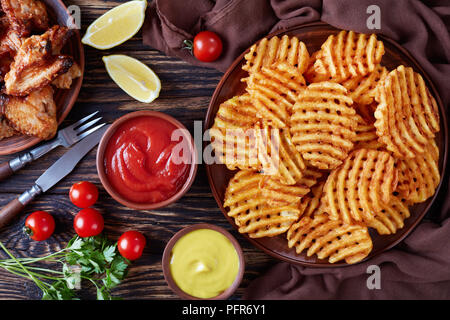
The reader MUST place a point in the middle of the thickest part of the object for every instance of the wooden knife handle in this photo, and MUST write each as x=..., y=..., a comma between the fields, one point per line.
x=10, y=211
x=5, y=170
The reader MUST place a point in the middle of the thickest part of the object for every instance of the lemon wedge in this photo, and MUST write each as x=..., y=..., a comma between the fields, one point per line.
x=133, y=77
x=116, y=26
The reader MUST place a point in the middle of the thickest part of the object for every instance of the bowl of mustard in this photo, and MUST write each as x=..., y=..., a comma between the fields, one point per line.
x=203, y=262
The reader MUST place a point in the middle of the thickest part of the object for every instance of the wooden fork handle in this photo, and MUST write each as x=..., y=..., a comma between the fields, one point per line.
x=10, y=211
x=15, y=207
x=5, y=170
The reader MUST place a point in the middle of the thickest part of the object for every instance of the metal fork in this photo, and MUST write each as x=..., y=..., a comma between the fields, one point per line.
x=66, y=137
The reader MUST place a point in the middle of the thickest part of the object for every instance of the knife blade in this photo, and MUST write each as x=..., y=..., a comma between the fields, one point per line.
x=69, y=160
x=52, y=175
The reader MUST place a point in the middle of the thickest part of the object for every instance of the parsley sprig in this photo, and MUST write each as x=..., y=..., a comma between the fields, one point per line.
x=94, y=259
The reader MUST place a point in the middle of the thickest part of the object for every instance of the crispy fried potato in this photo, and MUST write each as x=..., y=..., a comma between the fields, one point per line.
x=268, y=51
x=253, y=213
x=330, y=239
x=407, y=115
x=275, y=192
x=277, y=154
x=362, y=89
x=311, y=204
x=357, y=189
x=34, y=114
x=323, y=124
x=274, y=90
x=366, y=136
x=233, y=136
x=419, y=177
x=345, y=55
x=391, y=218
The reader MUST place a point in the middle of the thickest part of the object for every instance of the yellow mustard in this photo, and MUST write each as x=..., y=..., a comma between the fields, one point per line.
x=204, y=263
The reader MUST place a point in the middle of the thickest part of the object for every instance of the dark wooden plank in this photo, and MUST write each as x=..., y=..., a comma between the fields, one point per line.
x=185, y=94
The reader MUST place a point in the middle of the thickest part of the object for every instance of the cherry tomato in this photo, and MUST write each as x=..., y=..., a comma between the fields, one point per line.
x=131, y=244
x=39, y=225
x=88, y=223
x=83, y=194
x=207, y=46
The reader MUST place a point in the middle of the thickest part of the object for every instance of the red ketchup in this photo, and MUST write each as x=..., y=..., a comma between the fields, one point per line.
x=139, y=160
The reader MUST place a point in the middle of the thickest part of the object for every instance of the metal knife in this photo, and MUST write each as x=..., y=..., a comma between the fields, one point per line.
x=52, y=176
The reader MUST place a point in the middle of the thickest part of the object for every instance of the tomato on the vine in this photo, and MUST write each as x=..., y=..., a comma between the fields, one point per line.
x=131, y=245
x=206, y=47
x=88, y=223
x=83, y=194
x=39, y=225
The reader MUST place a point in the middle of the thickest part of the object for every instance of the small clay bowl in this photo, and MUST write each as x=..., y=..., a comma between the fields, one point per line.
x=101, y=165
x=167, y=257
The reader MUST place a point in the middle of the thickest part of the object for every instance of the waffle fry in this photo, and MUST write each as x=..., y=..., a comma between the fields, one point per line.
x=274, y=90
x=326, y=161
x=278, y=155
x=407, y=114
x=323, y=124
x=419, y=177
x=362, y=89
x=366, y=136
x=309, y=204
x=330, y=239
x=232, y=135
x=310, y=176
x=360, y=187
x=390, y=218
x=251, y=210
x=345, y=55
x=268, y=51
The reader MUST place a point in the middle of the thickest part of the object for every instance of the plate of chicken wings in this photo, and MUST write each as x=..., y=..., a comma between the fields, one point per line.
x=41, y=69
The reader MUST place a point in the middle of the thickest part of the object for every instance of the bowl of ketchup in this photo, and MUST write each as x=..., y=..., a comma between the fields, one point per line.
x=146, y=160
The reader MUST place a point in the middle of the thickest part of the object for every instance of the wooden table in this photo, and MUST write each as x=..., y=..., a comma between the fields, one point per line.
x=185, y=94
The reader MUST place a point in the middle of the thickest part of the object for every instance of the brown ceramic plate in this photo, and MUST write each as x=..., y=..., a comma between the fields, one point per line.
x=313, y=35
x=65, y=99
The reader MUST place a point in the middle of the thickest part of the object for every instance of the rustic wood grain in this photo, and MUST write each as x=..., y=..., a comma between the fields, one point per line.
x=185, y=94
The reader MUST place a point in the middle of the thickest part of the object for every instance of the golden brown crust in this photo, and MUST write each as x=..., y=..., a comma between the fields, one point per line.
x=330, y=239
x=34, y=114
x=267, y=51
x=347, y=54
x=26, y=15
x=407, y=114
x=323, y=124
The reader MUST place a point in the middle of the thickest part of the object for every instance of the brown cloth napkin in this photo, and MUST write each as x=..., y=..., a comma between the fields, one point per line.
x=419, y=267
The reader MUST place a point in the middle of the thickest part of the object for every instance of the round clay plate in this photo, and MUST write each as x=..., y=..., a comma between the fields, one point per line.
x=313, y=35
x=64, y=99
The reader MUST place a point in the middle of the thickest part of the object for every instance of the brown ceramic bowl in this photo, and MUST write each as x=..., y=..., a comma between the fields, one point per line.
x=167, y=255
x=101, y=166
x=64, y=99
x=313, y=35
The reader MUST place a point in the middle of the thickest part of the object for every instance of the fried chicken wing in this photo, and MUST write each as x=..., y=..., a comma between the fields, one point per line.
x=5, y=65
x=65, y=80
x=10, y=42
x=6, y=130
x=35, y=66
x=58, y=36
x=25, y=15
x=34, y=114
